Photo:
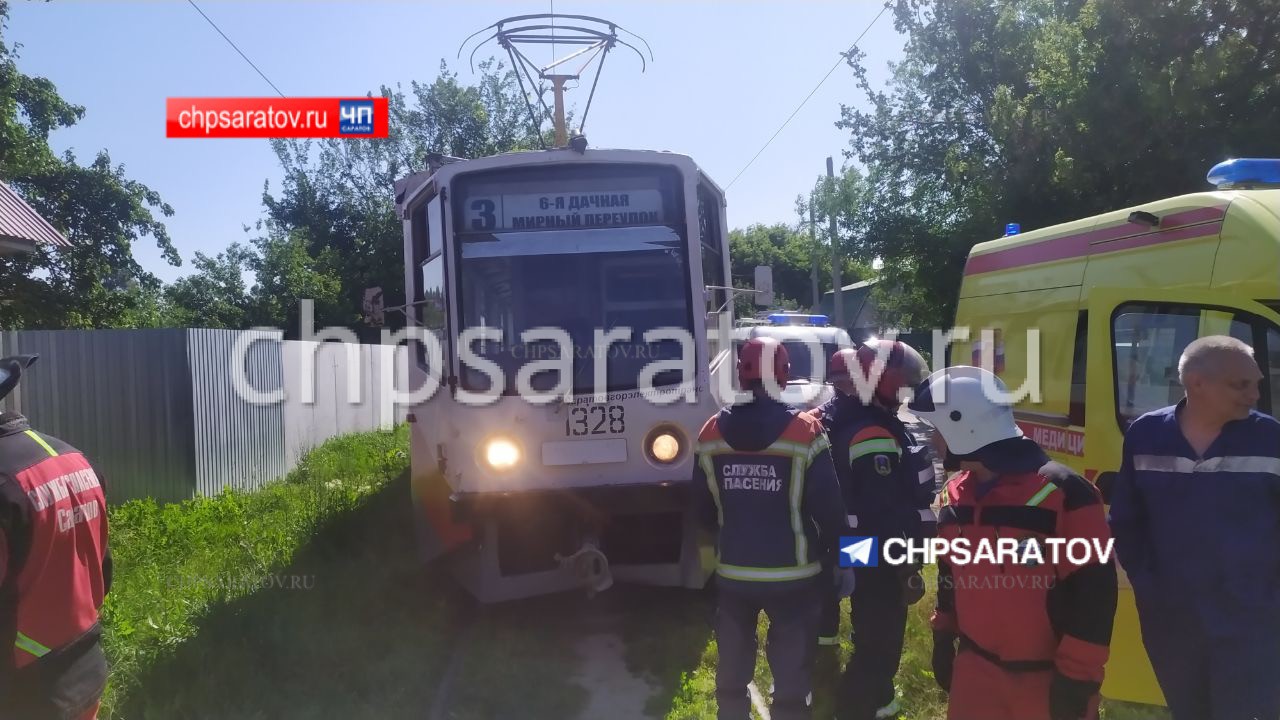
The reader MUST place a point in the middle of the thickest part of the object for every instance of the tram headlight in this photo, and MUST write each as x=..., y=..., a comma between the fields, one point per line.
x=665, y=448
x=501, y=454
x=664, y=445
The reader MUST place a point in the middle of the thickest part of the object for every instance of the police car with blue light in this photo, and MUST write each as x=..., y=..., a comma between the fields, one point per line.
x=810, y=341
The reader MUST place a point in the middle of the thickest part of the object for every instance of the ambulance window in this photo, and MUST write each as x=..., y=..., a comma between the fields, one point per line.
x=1079, y=372
x=1148, y=340
x=1273, y=369
x=1253, y=330
x=1265, y=341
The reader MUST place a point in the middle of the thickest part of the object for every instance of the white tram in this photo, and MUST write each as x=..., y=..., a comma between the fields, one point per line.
x=536, y=495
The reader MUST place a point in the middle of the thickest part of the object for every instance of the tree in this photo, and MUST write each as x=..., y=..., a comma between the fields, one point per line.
x=1042, y=111
x=215, y=295
x=331, y=231
x=288, y=272
x=96, y=283
x=790, y=253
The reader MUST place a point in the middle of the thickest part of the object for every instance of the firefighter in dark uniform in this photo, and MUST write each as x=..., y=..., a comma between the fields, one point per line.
x=765, y=480
x=54, y=571
x=1021, y=639
x=889, y=479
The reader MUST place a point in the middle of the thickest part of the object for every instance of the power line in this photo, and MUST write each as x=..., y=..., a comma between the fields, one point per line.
x=843, y=57
x=233, y=45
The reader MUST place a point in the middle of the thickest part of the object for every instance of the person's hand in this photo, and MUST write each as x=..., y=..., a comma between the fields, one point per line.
x=912, y=584
x=944, y=658
x=845, y=581
x=1069, y=698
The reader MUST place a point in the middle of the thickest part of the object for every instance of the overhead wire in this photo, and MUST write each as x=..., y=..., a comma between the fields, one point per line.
x=235, y=47
x=843, y=58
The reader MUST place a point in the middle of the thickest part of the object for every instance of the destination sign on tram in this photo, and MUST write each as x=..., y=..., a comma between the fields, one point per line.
x=543, y=211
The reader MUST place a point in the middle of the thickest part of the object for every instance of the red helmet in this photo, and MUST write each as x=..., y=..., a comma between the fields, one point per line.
x=841, y=361
x=751, y=360
x=902, y=367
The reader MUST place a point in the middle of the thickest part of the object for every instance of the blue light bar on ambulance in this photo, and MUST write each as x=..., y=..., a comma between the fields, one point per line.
x=797, y=319
x=1245, y=172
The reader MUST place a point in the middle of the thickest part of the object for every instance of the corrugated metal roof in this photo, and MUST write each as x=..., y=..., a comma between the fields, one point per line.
x=18, y=221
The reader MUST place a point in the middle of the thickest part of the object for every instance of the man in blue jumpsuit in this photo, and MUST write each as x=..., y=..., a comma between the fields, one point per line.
x=889, y=480
x=1195, y=513
x=764, y=478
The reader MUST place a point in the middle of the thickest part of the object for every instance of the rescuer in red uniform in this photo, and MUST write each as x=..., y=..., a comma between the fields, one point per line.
x=54, y=571
x=1032, y=635
x=764, y=479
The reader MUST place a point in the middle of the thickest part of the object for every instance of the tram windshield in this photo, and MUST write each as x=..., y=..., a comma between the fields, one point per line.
x=575, y=249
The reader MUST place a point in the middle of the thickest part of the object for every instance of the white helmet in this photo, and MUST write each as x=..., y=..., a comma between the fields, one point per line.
x=969, y=411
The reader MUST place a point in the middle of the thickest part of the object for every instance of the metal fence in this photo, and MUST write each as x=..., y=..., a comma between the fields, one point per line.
x=158, y=412
x=342, y=400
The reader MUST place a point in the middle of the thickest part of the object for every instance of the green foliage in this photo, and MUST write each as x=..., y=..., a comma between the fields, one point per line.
x=790, y=253
x=918, y=693
x=1042, y=111
x=215, y=296
x=96, y=206
x=174, y=563
x=331, y=231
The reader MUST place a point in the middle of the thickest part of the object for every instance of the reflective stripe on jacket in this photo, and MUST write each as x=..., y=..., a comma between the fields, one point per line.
x=765, y=479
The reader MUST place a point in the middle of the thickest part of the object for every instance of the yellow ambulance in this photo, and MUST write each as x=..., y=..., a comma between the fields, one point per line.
x=1114, y=299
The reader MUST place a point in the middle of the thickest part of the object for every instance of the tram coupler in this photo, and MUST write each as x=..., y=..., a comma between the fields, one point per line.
x=590, y=566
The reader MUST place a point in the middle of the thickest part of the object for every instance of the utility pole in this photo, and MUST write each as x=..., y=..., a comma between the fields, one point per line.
x=838, y=305
x=813, y=240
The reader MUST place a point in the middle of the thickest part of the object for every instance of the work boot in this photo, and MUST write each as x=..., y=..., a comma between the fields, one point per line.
x=889, y=711
x=826, y=682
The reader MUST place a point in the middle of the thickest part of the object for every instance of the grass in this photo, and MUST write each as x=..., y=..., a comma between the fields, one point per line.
x=918, y=694
x=276, y=584
x=307, y=599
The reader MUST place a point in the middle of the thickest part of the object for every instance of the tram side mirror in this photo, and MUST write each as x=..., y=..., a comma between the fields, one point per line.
x=764, y=286
x=373, y=308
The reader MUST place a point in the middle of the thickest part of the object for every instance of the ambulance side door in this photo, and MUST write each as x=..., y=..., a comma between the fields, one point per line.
x=1134, y=340
x=1135, y=337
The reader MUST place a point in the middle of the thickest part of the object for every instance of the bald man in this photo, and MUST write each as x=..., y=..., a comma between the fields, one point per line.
x=1196, y=519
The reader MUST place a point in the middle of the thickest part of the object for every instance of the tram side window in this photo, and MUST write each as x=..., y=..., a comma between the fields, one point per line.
x=712, y=252
x=1148, y=340
x=429, y=280
x=430, y=268
x=431, y=311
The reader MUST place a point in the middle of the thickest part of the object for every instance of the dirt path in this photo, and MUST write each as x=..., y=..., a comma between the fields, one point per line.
x=614, y=691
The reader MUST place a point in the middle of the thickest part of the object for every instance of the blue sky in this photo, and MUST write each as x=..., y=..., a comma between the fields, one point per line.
x=725, y=75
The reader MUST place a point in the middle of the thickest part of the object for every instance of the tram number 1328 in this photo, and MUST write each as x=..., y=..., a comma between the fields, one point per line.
x=595, y=420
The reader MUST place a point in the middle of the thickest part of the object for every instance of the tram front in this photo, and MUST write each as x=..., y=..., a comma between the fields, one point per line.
x=568, y=291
